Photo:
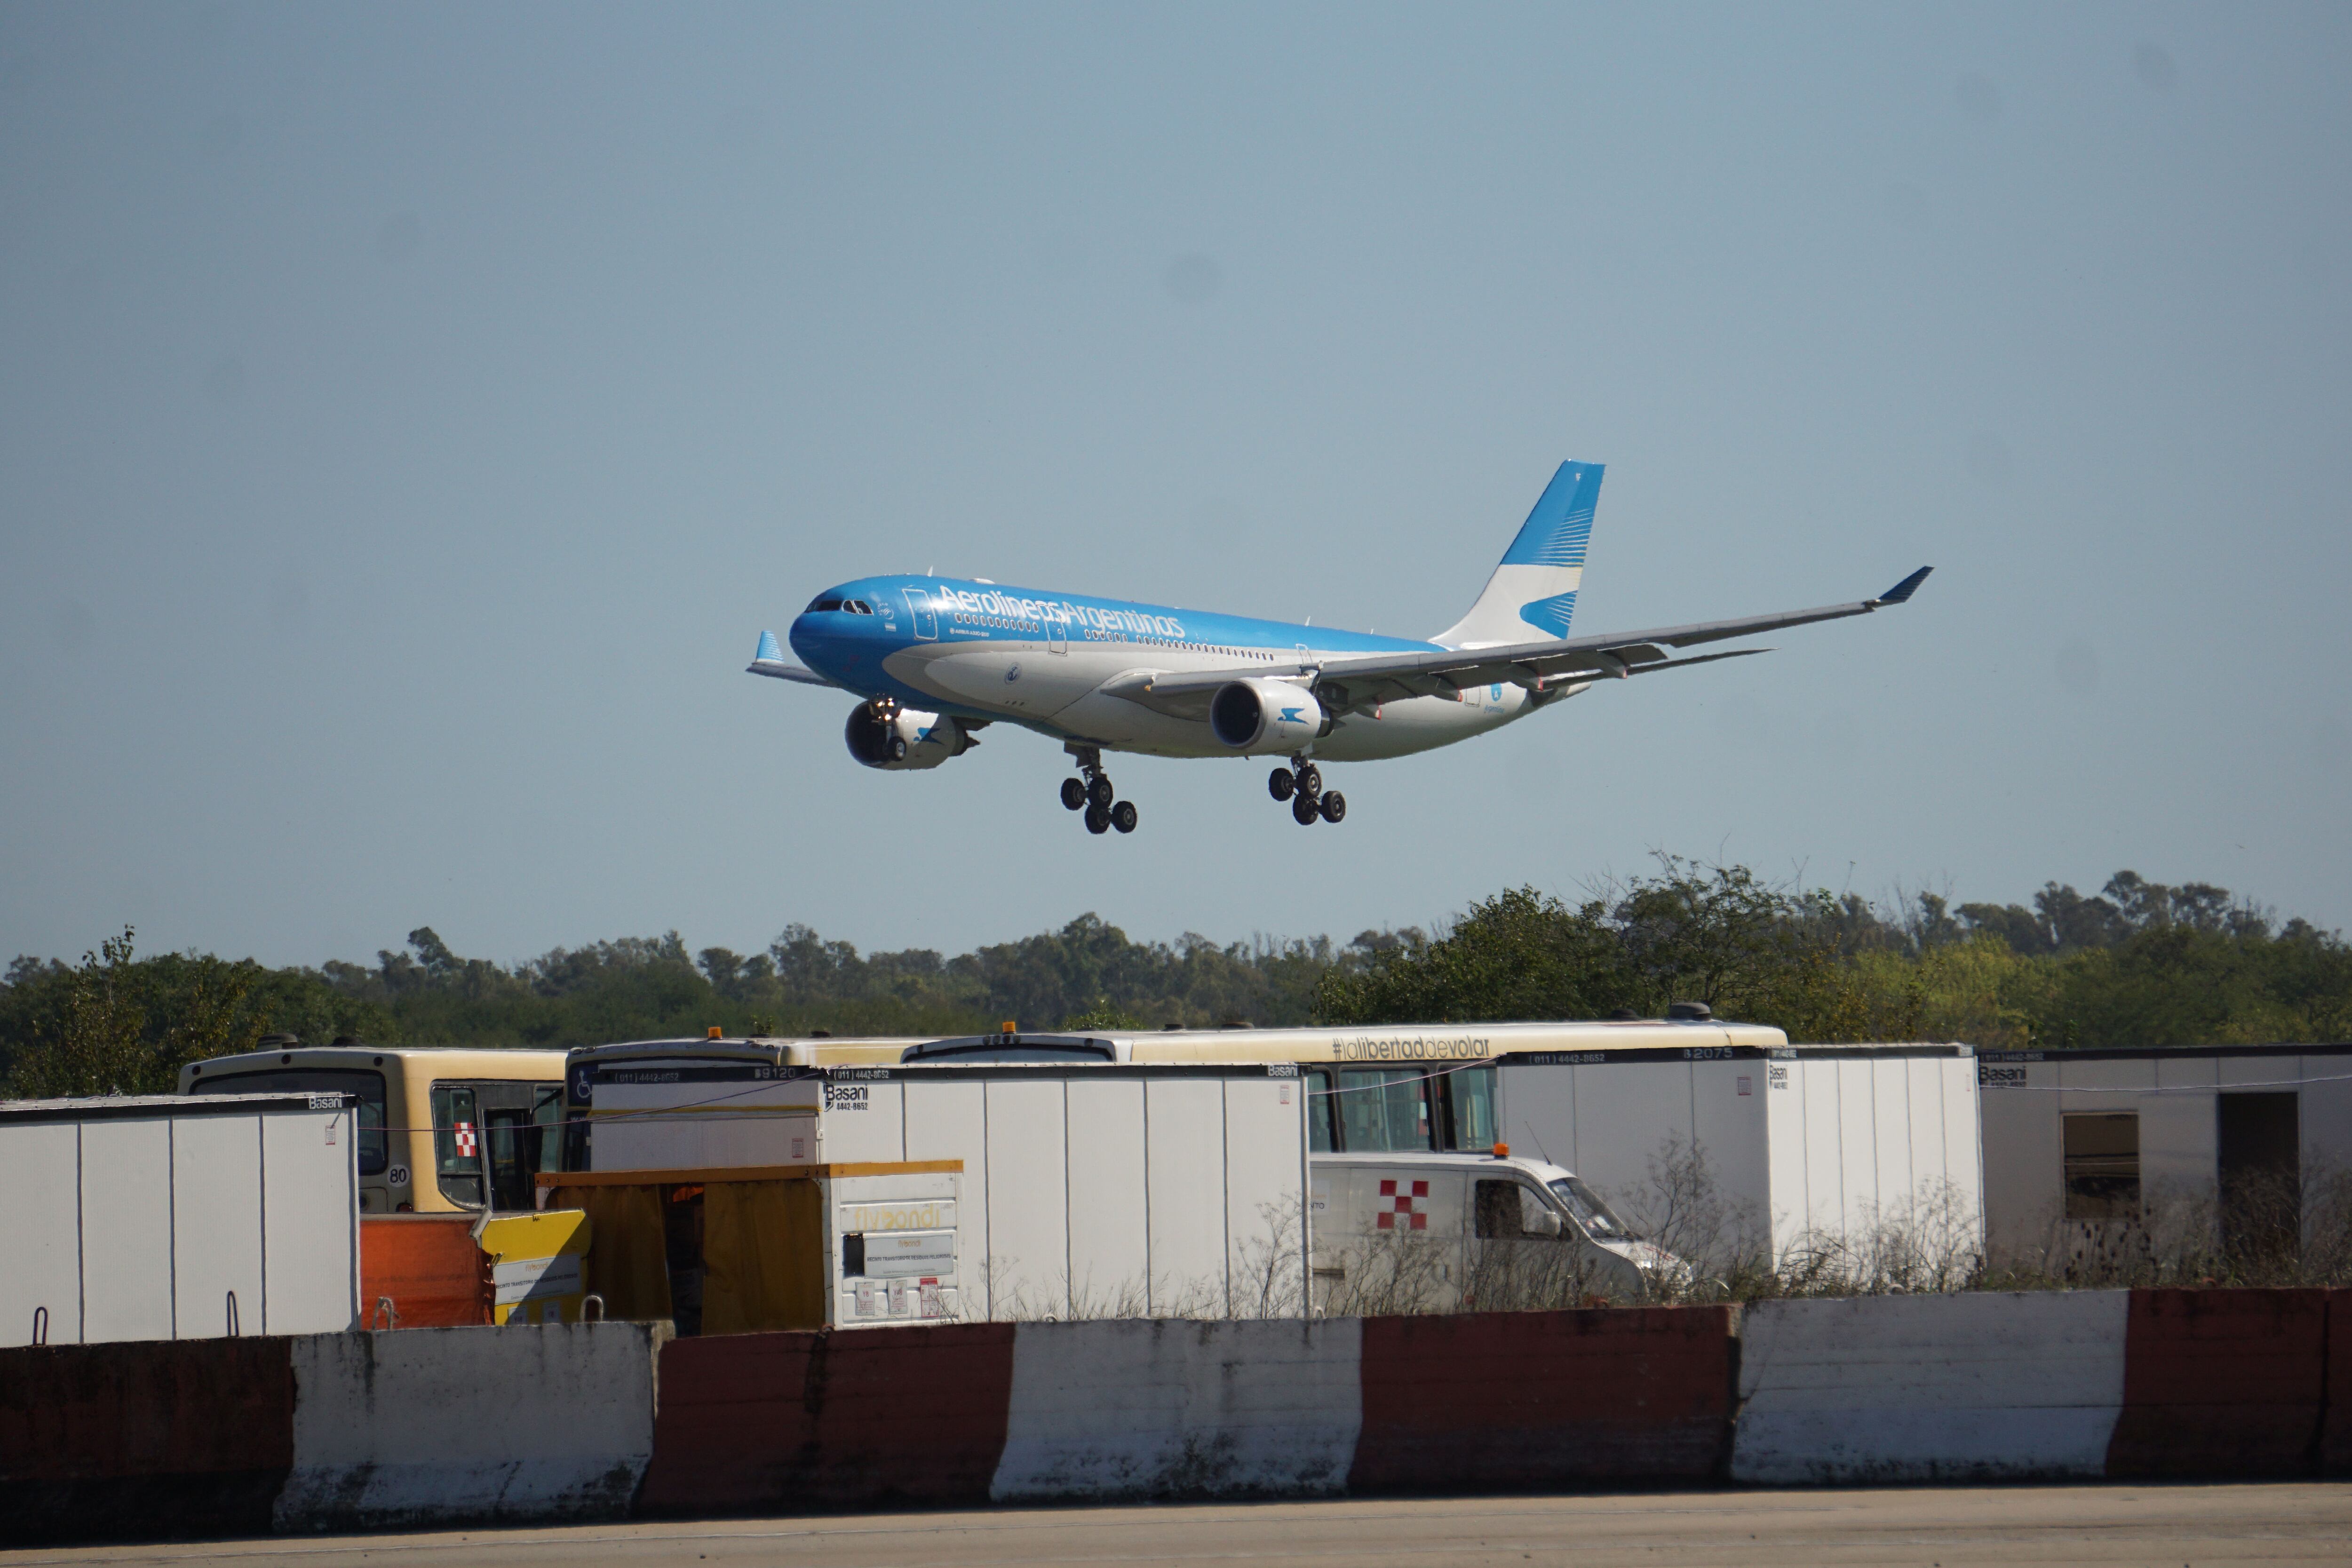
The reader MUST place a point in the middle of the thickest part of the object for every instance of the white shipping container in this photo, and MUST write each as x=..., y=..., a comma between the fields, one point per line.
x=1800, y=1143
x=2091, y=1151
x=170, y=1217
x=1089, y=1188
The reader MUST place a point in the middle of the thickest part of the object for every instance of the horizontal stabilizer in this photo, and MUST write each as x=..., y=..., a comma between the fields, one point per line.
x=778, y=669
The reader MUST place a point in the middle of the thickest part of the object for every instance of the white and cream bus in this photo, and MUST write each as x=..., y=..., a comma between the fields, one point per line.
x=1799, y=1141
x=440, y=1127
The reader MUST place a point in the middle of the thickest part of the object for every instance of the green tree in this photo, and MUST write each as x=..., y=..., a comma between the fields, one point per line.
x=95, y=1043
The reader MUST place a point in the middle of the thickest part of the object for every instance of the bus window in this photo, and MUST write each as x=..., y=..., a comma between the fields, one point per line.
x=367, y=1086
x=1319, y=1112
x=1470, y=1094
x=1383, y=1110
x=547, y=1114
x=457, y=1144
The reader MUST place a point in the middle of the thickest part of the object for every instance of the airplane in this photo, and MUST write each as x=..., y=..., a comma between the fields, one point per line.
x=934, y=660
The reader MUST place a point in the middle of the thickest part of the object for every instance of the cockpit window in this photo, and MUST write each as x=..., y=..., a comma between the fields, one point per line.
x=818, y=605
x=857, y=606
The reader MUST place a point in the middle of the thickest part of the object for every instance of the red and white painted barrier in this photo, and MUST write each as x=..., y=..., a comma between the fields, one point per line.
x=2336, y=1428
x=146, y=1440
x=1177, y=1409
x=882, y=1418
x=2223, y=1383
x=1524, y=1401
x=439, y=1426
x=443, y=1425
x=1926, y=1388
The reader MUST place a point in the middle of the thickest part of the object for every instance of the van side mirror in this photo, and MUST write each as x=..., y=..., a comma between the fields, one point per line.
x=1543, y=1223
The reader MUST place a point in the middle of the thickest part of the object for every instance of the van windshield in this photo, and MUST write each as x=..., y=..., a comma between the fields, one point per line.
x=1598, y=1220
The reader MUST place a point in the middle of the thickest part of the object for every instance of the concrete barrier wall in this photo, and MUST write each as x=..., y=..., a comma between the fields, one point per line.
x=144, y=1440
x=440, y=1426
x=1179, y=1409
x=1917, y=1388
x=2223, y=1382
x=1536, y=1401
x=2335, y=1427
x=430, y=1426
x=784, y=1422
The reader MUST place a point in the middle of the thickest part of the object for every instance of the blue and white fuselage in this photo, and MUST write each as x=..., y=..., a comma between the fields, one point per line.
x=935, y=659
x=1070, y=666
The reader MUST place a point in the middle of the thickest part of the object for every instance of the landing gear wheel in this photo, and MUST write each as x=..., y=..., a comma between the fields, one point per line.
x=1074, y=794
x=1097, y=819
x=1310, y=779
x=1279, y=784
x=1334, y=807
x=1303, y=810
x=898, y=748
x=1100, y=793
x=1122, y=817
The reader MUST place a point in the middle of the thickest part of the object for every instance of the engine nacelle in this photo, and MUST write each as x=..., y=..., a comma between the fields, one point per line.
x=904, y=738
x=1260, y=716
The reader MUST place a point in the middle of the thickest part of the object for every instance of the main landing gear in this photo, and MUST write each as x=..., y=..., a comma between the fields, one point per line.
x=1301, y=784
x=1093, y=796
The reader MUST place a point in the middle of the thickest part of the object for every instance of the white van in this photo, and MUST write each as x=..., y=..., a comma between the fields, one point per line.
x=1438, y=1232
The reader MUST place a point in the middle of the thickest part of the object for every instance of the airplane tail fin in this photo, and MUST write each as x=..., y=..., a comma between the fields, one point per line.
x=1536, y=583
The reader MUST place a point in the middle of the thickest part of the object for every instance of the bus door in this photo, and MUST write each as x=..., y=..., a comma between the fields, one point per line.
x=501, y=1133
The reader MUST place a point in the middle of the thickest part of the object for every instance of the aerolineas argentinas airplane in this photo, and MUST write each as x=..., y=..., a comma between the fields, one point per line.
x=937, y=660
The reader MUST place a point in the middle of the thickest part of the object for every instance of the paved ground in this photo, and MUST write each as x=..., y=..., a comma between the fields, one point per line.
x=2296, y=1522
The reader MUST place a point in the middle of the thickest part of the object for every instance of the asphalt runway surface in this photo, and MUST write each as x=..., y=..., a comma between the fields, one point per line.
x=1939, y=1527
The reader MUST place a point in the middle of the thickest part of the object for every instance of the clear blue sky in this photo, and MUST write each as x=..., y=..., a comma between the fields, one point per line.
x=410, y=415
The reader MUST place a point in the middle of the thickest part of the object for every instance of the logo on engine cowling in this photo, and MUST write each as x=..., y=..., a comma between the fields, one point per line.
x=1293, y=716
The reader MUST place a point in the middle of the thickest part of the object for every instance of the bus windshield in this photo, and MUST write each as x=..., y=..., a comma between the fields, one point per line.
x=1598, y=1220
x=367, y=1086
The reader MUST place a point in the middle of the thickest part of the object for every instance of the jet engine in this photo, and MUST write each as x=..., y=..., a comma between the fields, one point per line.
x=903, y=739
x=1264, y=716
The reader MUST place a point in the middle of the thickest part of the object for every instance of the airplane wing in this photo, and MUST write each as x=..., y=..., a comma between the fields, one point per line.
x=1538, y=666
x=782, y=671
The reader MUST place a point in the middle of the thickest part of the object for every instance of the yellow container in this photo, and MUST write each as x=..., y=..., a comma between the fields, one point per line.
x=535, y=1263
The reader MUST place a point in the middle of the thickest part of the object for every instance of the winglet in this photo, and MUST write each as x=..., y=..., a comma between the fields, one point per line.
x=1905, y=589
x=769, y=651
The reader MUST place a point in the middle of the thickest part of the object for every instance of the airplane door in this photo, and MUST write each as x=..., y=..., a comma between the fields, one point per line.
x=927, y=625
x=1057, y=635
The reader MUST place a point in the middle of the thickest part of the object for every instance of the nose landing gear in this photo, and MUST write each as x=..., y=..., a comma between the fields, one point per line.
x=1092, y=794
x=1301, y=784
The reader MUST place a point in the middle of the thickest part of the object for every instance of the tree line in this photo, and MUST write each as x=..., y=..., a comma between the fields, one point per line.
x=2139, y=963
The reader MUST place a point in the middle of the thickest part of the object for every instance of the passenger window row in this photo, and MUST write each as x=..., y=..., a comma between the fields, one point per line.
x=1400, y=1110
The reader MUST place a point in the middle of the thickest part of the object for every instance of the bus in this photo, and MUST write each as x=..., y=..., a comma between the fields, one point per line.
x=1384, y=1088
x=442, y=1129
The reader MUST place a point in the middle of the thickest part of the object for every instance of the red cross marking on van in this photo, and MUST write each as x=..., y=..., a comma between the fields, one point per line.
x=1404, y=1202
